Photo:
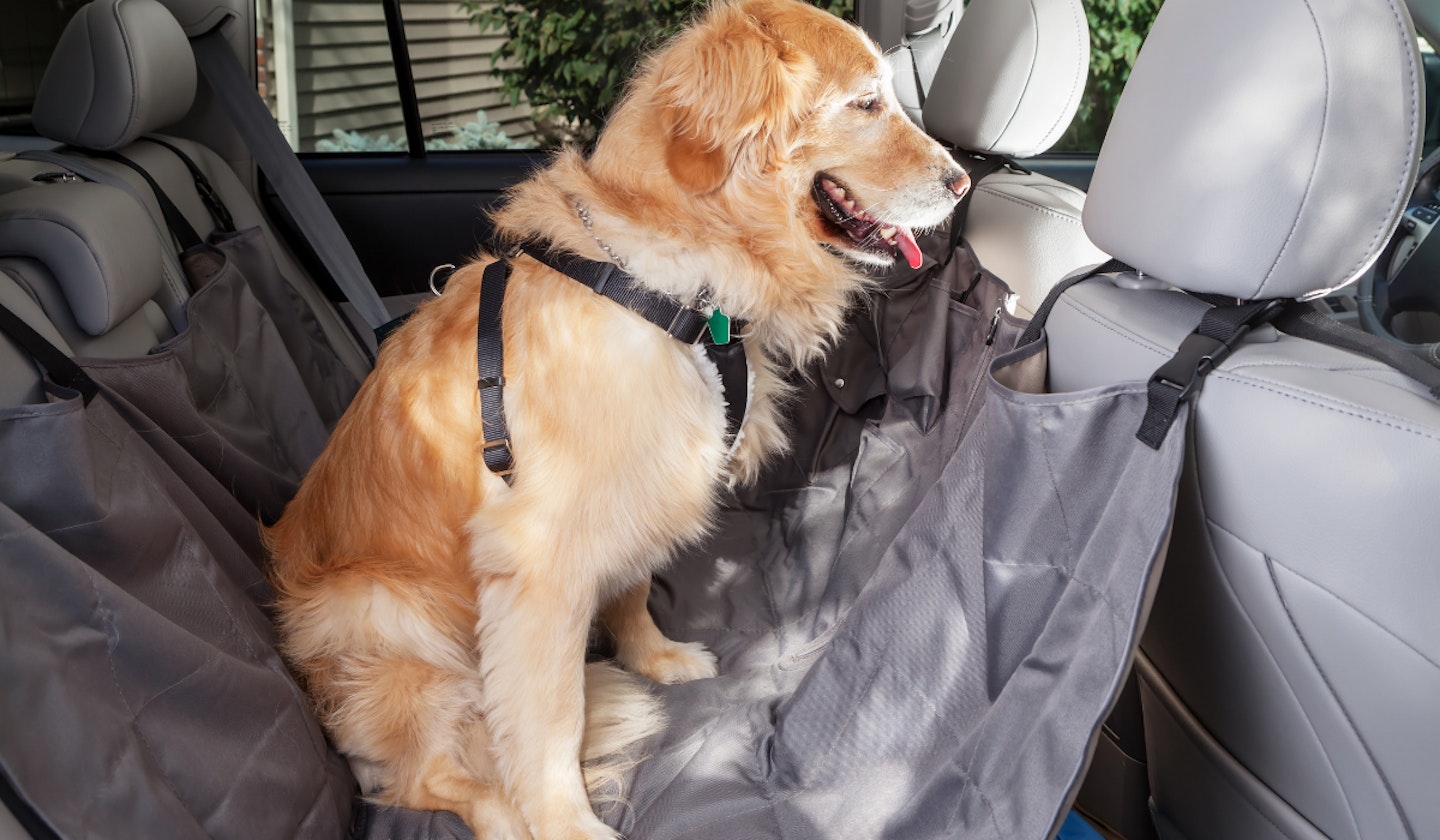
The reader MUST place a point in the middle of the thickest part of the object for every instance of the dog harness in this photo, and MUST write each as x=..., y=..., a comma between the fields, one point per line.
x=686, y=324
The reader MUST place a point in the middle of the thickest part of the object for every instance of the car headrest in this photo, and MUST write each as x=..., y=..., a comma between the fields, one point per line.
x=1261, y=149
x=121, y=68
x=1012, y=76
x=99, y=244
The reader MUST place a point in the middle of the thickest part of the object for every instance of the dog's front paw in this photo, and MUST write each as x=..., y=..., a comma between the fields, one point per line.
x=672, y=662
x=587, y=828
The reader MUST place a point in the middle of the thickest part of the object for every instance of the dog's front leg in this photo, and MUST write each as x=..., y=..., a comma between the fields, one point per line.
x=642, y=648
x=532, y=636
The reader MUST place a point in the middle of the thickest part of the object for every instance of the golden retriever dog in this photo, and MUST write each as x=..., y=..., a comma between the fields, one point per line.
x=439, y=615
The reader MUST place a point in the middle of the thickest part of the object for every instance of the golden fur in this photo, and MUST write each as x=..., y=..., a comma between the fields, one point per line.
x=440, y=617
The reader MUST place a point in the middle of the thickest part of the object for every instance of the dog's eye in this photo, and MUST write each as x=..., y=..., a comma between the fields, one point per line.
x=866, y=103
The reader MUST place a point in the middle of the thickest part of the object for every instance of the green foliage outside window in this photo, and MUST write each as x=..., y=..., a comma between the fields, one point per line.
x=570, y=58
x=1117, y=28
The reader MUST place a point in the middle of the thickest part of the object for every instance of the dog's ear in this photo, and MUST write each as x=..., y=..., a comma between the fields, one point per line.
x=729, y=88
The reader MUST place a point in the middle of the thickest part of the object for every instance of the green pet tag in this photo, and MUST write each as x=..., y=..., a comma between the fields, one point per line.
x=719, y=327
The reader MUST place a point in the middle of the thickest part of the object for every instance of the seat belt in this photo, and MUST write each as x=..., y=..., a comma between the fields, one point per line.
x=217, y=62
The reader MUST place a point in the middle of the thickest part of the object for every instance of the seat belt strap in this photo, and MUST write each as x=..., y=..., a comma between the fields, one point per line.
x=217, y=62
x=490, y=364
x=61, y=369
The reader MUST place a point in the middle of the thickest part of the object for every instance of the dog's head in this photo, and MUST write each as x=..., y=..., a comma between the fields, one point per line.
x=774, y=100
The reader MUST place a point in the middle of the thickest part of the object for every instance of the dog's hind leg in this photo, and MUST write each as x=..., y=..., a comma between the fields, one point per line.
x=414, y=735
x=642, y=648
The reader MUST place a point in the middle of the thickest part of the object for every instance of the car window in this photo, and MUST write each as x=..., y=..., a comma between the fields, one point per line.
x=486, y=75
x=533, y=73
x=28, y=32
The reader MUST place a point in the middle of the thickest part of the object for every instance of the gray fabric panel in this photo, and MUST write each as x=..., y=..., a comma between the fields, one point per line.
x=250, y=389
x=922, y=616
x=920, y=623
x=1297, y=618
x=110, y=559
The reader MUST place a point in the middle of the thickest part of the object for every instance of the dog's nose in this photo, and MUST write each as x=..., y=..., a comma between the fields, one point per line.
x=957, y=182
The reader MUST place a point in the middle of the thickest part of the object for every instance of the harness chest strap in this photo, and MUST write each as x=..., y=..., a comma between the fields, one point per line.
x=683, y=323
x=490, y=361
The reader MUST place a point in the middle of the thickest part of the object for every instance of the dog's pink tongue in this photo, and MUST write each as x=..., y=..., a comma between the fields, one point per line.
x=908, y=246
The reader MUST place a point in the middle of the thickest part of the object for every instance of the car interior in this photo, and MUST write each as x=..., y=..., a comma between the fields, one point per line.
x=1287, y=672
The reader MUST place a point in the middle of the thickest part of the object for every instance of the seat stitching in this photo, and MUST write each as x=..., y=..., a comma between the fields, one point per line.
x=1345, y=712
x=1326, y=405
x=1214, y=556
x=1405, y=158
x=130, y=66
x=1087, y=312
x=1019, y=100
x=1034, y=205
x=1232, y=375
x=1314, y=163
x=1077, y=81
x=1357, y=610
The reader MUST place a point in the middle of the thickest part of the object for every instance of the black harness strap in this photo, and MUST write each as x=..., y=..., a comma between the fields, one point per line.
x=490, y=362
x=605, y=278
x=683, y=323
x=61, y=369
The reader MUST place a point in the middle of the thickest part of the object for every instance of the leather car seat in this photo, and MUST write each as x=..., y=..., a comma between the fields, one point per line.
x=121, y=70
x=1290, y=671
x=1008, y=86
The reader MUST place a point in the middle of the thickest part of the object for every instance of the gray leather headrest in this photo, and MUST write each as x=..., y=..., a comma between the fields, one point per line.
x=96, y=240
x=1012, y=76
x=1261, y=149
x=122, y=68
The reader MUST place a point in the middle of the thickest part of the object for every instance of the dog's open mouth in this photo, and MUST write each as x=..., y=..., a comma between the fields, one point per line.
x=848, y=220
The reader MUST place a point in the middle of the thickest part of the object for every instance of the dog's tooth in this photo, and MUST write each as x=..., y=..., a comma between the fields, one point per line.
x=849, y=204
x=887, y=233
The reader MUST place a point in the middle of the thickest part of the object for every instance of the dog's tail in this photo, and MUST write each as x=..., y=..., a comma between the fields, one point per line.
x=619, y=714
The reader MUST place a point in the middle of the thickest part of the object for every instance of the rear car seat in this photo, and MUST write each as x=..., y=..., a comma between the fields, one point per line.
x=1008, y=87
x=124, y=69
x=1289, y=670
